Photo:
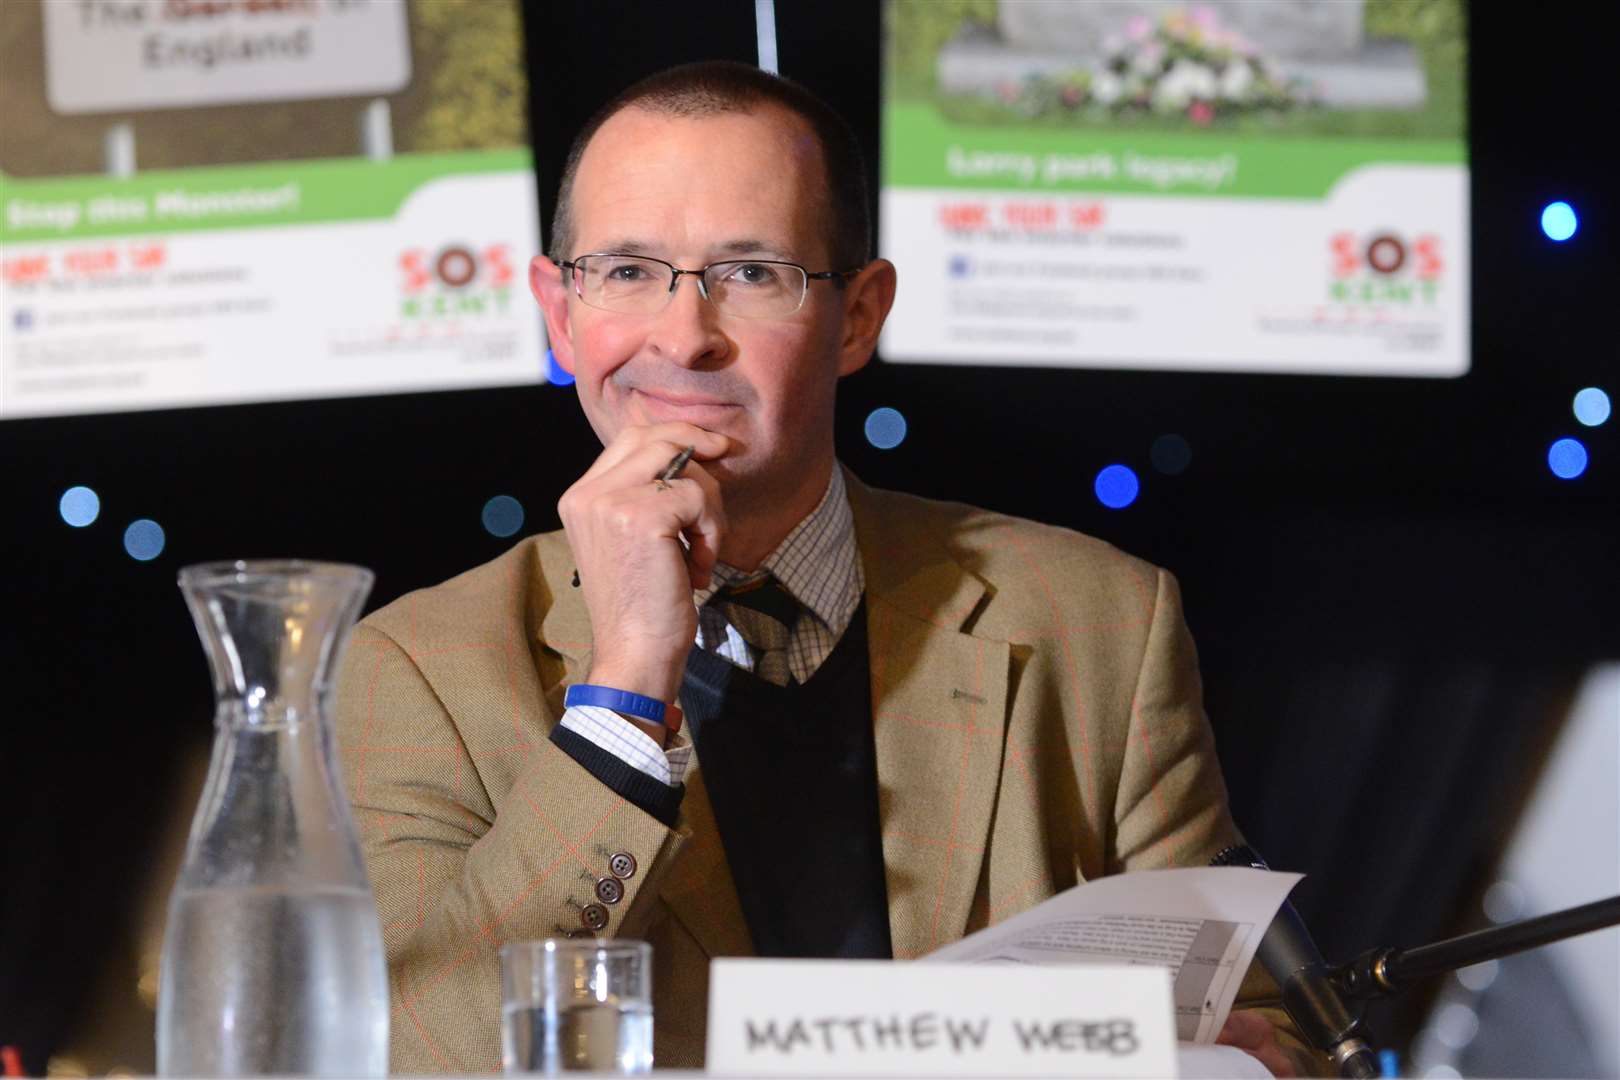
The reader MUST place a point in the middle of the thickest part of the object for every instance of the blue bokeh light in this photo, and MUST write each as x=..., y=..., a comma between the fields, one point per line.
x=555, y=374
x=1592, y=406
x=144, y=540
x=79, y=506
x=1116, y=487
x=885, y=428
x=503, y=515
x=1567, y=458
x=1558, y=221
x=1171, y=454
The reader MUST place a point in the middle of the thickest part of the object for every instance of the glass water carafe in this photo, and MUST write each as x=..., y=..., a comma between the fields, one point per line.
x=273, y=958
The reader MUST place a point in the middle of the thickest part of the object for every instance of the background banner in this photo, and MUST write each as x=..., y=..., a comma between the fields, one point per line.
x=212, y=201
x=1139, y=183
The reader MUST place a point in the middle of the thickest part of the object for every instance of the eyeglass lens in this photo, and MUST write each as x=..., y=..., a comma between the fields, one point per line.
x=634, y=285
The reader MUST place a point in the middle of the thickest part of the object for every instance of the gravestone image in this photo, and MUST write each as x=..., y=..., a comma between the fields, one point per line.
x=1317, y=45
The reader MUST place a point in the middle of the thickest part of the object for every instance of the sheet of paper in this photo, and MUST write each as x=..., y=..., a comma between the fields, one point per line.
x=1204, y=924
x=1209, y=1062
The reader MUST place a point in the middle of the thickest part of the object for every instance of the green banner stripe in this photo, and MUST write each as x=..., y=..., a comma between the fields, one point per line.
x=230, y=196
x=923, y=149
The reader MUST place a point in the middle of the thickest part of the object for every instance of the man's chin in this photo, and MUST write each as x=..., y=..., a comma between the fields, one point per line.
x=747, y=489
x=744, y=487
x=733, y=476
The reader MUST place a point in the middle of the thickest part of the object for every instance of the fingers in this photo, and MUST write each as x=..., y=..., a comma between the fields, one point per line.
x=1254, y=1035
x=632, y=441
x=688, y=505
x=704, y=533
x=643, y=511
x=1246, y=1030
x=626, y=501
x=638, y=471
x=642, y=465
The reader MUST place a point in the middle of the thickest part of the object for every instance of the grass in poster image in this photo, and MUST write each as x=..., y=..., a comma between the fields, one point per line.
x=1184, y=71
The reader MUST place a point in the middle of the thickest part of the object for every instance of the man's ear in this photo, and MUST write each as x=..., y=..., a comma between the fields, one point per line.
x=867, y=300
x=550, y=288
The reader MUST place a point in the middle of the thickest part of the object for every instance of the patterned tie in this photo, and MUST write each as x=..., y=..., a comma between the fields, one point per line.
x=764, y=614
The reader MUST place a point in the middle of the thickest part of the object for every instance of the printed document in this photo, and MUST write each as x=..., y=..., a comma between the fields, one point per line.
x=1204, y=924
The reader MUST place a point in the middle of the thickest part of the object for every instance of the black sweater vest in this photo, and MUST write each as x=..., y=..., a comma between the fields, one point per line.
x=792, y=774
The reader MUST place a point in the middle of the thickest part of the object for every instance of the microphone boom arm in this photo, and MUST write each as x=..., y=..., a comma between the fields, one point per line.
x=1380, y=973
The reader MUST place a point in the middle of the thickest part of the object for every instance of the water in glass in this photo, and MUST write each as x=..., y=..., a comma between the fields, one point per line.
x=594, y=1036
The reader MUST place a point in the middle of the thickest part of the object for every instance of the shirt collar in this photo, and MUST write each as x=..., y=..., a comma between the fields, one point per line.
x=818, y=562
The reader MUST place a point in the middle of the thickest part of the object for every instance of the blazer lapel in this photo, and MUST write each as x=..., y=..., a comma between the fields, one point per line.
x=939, y=704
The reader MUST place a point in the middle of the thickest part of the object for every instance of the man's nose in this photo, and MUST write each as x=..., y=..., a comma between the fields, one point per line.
x=687, y=331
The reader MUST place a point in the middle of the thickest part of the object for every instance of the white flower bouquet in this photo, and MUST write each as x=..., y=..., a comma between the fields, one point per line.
x=1186, y=63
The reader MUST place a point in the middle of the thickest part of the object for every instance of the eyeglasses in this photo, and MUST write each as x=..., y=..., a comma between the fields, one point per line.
x=750, y=288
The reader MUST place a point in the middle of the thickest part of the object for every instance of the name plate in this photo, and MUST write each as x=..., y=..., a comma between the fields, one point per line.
x=875, y=1018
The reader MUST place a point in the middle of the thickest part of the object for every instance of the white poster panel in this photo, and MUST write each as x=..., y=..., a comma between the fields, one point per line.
x=430, y=298
x=118, y=55
x=1369, y=280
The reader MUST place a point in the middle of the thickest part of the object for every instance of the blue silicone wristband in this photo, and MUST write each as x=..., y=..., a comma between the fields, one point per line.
x=623, y=701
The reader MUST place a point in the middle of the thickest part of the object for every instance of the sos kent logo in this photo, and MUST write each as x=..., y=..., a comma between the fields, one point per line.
x=1385, y=268
x=457, y=281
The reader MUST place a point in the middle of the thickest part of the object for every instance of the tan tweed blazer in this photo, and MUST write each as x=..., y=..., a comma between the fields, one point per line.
x=1037, y=718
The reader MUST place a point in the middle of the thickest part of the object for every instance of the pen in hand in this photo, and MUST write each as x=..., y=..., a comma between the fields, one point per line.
x=674, y=468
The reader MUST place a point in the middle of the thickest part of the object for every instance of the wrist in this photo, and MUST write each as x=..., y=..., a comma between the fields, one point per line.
x=649, y=682
x=654, y=717
x=658, y=733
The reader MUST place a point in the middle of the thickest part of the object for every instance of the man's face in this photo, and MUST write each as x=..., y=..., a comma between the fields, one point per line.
x=692, y=191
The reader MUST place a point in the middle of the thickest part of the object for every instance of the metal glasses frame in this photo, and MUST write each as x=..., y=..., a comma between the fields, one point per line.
x=839, y=277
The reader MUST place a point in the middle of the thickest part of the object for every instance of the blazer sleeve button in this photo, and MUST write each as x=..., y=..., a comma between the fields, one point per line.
x=622, y=865
x=609, y=890
x=593, y=916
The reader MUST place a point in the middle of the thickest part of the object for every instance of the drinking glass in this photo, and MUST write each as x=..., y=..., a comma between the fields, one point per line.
x=581, y=1005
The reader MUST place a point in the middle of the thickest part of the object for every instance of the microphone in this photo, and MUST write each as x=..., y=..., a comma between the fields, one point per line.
x=1308, y=992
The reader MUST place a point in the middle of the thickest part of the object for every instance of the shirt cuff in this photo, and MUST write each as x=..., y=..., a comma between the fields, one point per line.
x=627, y=742
x=653, y=797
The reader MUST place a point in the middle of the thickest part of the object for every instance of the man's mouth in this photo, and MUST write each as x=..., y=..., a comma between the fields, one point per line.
x=700, y=409
x=676, y=399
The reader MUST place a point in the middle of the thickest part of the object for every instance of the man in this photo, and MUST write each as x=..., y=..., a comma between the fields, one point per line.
x=913, y=718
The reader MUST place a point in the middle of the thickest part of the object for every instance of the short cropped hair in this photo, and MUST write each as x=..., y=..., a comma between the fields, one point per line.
x=715, y=87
